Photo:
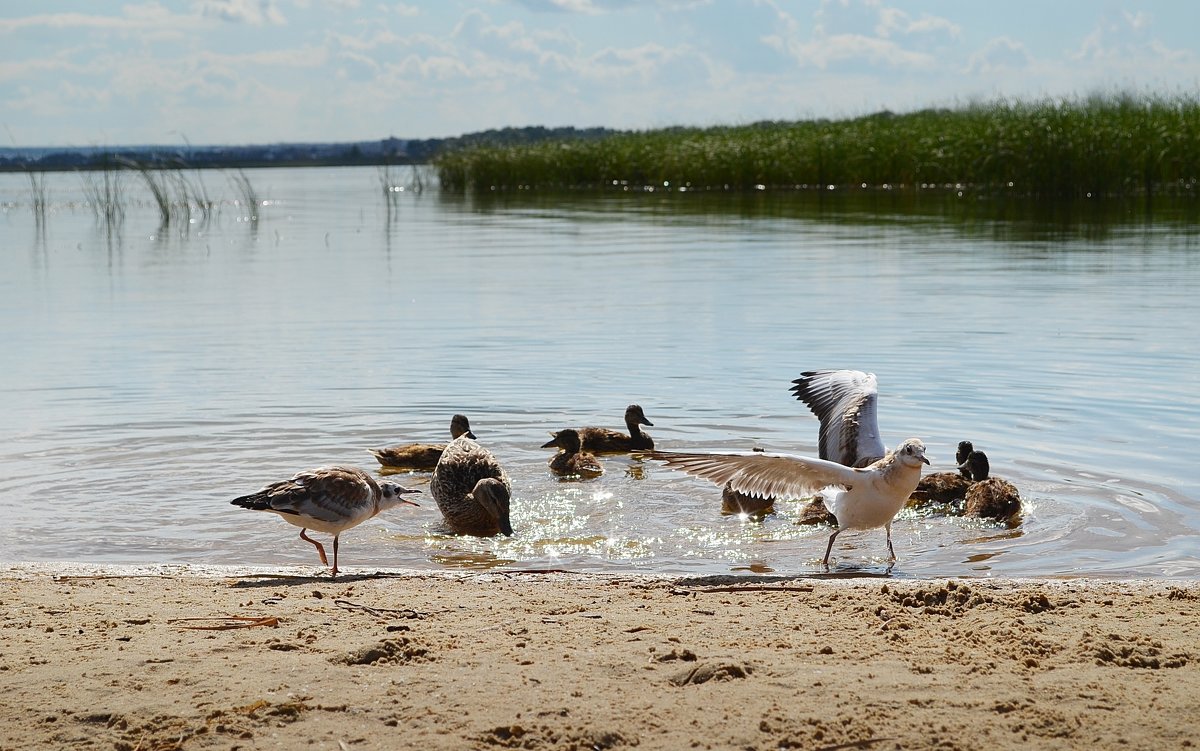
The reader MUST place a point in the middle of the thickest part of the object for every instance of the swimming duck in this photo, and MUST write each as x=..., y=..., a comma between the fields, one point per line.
x=421, y=456
x=471, y=489
x=572, y=460
x=612, y=441
x=993, y=498
x=989, y=497
x=327, y=499
x=951, y=487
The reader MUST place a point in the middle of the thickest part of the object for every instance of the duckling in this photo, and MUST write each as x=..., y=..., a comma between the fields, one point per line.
x=572, y=460
x=951, y=487
x=960, y=457
x=990, y=497
x=612, y=441
x=471, y=489
x=421, y=456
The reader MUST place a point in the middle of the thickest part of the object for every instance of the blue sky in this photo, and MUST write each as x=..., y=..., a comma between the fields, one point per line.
x=258, y=71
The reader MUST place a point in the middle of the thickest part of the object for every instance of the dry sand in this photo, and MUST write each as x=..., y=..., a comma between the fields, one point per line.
x=558, y=661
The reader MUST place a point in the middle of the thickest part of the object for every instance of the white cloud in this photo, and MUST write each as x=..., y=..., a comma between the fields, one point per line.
x=1137, y=21
x=252, y=12
x=999, y=54
x=822, y=51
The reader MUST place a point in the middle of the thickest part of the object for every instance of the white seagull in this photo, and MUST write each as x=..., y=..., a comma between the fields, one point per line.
x=327, y=499
x=861, y=484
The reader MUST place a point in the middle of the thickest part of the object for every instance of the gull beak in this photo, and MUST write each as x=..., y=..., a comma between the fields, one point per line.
x=923, y=459
x=405, y=500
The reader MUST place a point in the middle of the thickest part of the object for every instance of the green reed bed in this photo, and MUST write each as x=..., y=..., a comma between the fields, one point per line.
x=1099, y=147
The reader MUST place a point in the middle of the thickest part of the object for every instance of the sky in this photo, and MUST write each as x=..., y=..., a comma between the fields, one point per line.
x=86, y=73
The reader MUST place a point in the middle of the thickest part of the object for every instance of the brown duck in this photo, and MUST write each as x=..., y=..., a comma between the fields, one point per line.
x=421, y=456
x=572, y=460
x=471, y=489
x=613, y=441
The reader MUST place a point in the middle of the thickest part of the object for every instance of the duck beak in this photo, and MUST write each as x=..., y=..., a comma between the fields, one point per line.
x=470, y=435
x=506, y=527
x=550, y=443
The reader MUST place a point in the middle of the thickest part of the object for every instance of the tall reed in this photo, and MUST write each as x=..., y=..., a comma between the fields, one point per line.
x=38, y=197
x=248, y=198
x=105, y=193
x=1097, y=146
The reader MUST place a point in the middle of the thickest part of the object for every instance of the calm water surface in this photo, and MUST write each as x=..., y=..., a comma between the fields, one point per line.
x=152, y=374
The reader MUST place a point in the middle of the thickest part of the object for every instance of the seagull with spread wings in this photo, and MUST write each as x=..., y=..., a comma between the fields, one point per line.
x=860, y=497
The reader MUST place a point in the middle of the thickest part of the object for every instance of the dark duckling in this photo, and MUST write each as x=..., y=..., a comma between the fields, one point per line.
x=990, y=497
x=960, y=457
x=952, y=487
x=612, y=441
x=421, y=456
x=572, y=460
x=471, y=489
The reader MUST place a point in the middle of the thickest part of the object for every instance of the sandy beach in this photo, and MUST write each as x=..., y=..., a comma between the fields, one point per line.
x=181, y=658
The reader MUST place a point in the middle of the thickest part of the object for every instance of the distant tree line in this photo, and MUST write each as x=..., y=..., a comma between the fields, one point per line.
x=385, y=151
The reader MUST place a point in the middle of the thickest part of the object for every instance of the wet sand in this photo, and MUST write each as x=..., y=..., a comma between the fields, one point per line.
x=133, y=659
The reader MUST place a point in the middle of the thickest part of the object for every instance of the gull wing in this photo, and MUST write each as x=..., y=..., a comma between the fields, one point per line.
x=329, y=494
x=845, y=403
x=761, y=474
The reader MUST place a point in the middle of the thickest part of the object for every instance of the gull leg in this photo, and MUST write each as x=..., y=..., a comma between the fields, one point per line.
x=335, y=546
x=829, y=547
x=320, y=547
x=891, y=551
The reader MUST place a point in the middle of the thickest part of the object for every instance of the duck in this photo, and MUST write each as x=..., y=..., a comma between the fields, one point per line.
x=961, y=454
x=329, y=499
x=613, y=441
x=472, y=490
x=859, y=498
x=421, y=456
x=989, y=497
x=572, y=460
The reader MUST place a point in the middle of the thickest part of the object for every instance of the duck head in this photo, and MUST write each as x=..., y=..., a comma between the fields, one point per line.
x=566, y=439
x=493, y=496
x=978, y=466
x=635, y=416
x=964, y=450
x=460, y=425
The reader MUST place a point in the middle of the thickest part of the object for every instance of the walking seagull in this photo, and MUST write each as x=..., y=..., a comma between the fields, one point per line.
x=861, y=484
x=327, y=499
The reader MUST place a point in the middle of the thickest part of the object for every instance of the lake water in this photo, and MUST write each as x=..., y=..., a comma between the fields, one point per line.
x=150, y=375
